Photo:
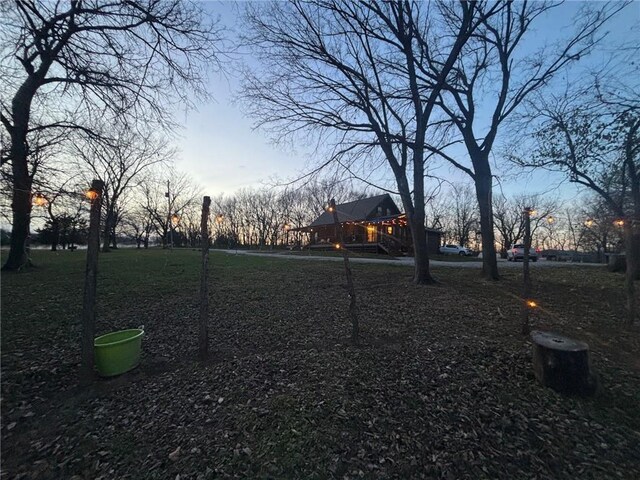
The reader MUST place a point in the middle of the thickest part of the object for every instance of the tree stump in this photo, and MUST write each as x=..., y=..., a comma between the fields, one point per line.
x=562, y=363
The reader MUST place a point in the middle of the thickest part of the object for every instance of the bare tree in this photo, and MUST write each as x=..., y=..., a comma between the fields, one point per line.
x=161, y=205
x=66, y=64
x=120, y=164
x=495, y=73
x=600, y=229
x=352, y=73
x=465, y=213
x=509, y=219
x=595, y=140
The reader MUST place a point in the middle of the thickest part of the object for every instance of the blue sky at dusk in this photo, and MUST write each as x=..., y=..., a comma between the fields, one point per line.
x=222, y=151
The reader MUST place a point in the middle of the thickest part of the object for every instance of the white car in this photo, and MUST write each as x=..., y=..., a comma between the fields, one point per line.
x=516, y=252
x=455, y=250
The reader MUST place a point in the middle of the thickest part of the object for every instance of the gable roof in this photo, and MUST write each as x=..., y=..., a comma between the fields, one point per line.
x=357, y=210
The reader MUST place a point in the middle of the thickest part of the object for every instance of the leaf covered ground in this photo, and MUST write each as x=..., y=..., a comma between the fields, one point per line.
x=440, y=387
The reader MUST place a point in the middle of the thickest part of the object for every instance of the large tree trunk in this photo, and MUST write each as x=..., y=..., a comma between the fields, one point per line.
x=415, y=217
x=21, y=202
x=483, y=183
x=21, y=206
x=422, y=275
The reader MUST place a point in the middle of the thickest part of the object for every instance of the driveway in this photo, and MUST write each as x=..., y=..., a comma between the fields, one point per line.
x=408, y=261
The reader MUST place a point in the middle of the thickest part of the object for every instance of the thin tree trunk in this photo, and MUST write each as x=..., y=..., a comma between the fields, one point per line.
x=55, y=228
x=114, y=239
x=90, y=286
x=106, y=232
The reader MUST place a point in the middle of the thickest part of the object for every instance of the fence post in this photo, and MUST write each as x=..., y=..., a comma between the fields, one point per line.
x=526, y=277
x=355, y=326
x=89, y=299
x=203, y=340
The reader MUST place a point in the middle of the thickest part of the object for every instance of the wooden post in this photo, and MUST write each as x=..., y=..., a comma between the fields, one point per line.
x=526, y=278
x=169, y=224
x=89, y=299
x=203, y=340
x=355, y=326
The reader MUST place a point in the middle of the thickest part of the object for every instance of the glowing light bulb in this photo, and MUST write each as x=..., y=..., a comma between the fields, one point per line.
x=91, y=194
x=39, y=200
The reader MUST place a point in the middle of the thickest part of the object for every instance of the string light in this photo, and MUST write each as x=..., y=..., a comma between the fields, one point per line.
x=175, y=219
x=337, y=245
x=39, y=200
x=531, y=304
x=219, y=218
x=589, y=222
x=91, y=194
x=619, y=222
x=550, y=219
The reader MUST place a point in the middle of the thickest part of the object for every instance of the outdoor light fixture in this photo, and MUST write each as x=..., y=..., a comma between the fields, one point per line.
x=219, y=218
x=550, y=219
x=175, y=219
x=329, y=208
x=531, y=304
x=337, y=245
x=588, y=222
x=619, y=222
x=287, y=227
x=91, y=194
x=39, y=200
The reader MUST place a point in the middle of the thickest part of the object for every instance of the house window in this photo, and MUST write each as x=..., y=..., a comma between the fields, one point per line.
x=390, y=230
x=371, y=234
x=379, y=211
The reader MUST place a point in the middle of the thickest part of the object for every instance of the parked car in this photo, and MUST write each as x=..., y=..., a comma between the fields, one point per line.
x=516, y=252
x=455, y=250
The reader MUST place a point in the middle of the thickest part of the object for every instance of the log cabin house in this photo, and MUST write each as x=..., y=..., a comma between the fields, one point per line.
x=373, y=224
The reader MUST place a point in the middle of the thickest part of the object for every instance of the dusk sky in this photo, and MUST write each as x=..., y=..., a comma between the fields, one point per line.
x=222, y=151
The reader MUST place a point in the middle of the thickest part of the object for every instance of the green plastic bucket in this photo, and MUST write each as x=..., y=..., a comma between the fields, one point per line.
x=117, y=352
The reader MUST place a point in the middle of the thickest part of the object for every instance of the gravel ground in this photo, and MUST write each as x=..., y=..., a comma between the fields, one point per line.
x=408, y=261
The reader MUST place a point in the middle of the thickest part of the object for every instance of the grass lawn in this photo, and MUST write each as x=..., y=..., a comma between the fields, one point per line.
x=441, y=387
